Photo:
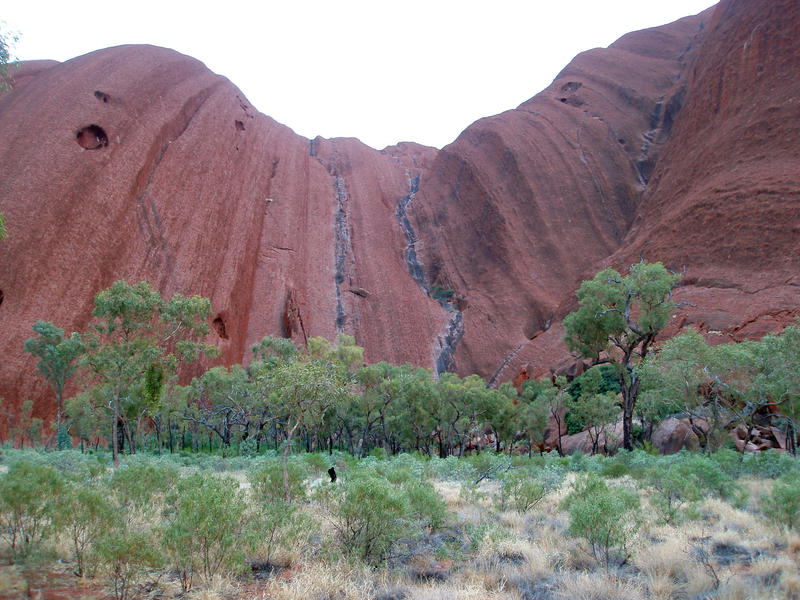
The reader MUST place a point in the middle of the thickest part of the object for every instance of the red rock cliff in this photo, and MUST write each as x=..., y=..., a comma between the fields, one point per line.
x=679, y=143
x=138, y=162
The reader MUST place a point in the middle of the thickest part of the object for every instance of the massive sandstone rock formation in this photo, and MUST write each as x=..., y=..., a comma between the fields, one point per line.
x=723, y=203
x=678, y=143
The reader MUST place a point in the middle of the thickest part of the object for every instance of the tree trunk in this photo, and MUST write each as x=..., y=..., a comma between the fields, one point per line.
x=287, y=490
x=58, y=414
x=114, y=426
x=629, y=393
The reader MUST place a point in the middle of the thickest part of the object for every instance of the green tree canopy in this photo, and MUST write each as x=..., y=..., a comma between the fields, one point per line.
x=617, y=321
x=133, y=329
x=58, y=357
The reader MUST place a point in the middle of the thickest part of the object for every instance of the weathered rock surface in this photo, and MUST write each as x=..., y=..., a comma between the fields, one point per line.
x=678, y=143
x=138, y=162
x=673, y=435
x=515, y=212
x=722, y=203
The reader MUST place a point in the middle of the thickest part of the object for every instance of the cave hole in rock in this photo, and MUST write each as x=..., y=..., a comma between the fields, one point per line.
x=621, y=141
x=239, y=125
x=219, y=326
x=102, y=96
x=571, y=86
x=2, y=295
x=91, y=137
x=564, y=100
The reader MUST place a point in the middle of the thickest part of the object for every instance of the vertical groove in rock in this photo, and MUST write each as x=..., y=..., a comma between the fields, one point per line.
x=343, y=257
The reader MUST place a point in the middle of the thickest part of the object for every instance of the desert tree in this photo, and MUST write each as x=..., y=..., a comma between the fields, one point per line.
x=132, y=330
x=58, y=358
x=618, y=319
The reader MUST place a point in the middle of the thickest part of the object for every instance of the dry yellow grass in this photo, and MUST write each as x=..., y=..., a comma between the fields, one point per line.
x=599, y=585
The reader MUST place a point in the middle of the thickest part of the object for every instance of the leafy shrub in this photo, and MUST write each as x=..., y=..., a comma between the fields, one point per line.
x=28, y=492
x=369, y=514
x=573, y=423
x=614, y=468
x=63, y=438
x=608, y=382
x=266, y=479
x=702, y=476
x=248, y=447
x=769, y=463
x=607, y=517
x=279, y=524
x=404, y=467
x=126, y=554
x=139, y=482
x=424, y=504
x=206, y=529
x=318, y=463
x=76, y=465
x=782, y=505
x=684, y=479
x=83, y=513
x=522, y=491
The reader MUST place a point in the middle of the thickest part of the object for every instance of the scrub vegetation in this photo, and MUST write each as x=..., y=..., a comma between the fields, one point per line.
x=309, y=474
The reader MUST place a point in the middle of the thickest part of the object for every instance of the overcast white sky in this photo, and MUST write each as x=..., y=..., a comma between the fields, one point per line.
x=381, y=71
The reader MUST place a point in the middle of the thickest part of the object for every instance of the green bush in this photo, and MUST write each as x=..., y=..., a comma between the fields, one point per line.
x=28, y=493
x=63, y=439
x=369, y=514
x=141, y=483
x=266, y=479
x=769, y=463
x=522, y=491
x=608, y=517
x=782, y=504
x=613, y=469
x=248, y=447
x=279, y=524
x=702, y=476
x=206, y=527
x=425, y=506
x=126, y=554
x=83, y=512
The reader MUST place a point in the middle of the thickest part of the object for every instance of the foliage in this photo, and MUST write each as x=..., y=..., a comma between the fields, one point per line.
x=207, y=527
x=58, y=357
x=782, y=504
x=28, y=492
x=594, y=406
x=608, y=517
x=425, y=506
x=369, y=515
x=7, y=41
x=126, y=554
x=84, y=512
x=134, y=329
x=619, y=317
x=522, y=491
x=597, y=380
x=279, y=524
x=266, y=479
x=441, y=293
x=139, y=483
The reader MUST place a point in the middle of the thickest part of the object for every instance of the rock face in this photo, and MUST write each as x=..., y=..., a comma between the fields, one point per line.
x=138, y=162
x=678, y=143
x=516, y=210
x=722, y=202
